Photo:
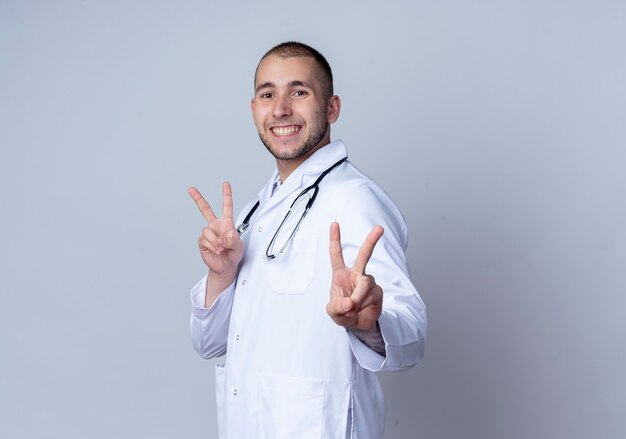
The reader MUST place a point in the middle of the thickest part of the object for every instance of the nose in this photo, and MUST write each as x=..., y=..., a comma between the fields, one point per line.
x=282, y=107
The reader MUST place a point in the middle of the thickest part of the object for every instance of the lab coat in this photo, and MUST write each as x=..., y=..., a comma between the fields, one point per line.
x=290, y=371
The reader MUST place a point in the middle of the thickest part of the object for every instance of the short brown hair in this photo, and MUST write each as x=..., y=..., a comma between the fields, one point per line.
x=290, y=49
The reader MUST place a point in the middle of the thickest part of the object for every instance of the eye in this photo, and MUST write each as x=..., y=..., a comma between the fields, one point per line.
x=300, y=93
x=266, y=95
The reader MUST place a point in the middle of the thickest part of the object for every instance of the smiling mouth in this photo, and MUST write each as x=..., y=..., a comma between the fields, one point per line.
x=285, y=131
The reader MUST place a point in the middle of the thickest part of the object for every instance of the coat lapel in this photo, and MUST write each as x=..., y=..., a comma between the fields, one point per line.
x=309, y=170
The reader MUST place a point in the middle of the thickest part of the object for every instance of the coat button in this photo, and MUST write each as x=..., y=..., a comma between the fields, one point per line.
x=243, y=282
x=260, y=229
x=237, y=337
x=235, y=392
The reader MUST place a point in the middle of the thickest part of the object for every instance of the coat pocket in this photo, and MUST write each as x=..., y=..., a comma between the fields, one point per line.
x=291, y=407
x=293, y=270
x=220, y=377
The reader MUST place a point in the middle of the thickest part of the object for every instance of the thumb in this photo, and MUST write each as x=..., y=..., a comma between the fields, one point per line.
x=229, y=242
x=339, y=307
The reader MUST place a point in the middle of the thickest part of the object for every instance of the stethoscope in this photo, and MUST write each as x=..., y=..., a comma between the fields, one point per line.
x=270, y=253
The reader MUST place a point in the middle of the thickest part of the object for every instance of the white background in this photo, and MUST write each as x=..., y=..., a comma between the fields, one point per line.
x=499, y=127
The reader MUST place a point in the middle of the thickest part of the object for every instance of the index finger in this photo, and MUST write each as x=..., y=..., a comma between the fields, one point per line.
x=202, y=204
x=336, y=254
x=366, y=250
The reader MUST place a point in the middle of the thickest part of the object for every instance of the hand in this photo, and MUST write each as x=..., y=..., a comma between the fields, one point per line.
x=220, y=245
x=356, y=301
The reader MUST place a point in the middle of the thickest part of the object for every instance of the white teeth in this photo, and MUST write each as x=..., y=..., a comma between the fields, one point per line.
x=284, y=131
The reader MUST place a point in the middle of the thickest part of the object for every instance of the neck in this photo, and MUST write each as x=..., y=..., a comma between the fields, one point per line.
x=286, y=167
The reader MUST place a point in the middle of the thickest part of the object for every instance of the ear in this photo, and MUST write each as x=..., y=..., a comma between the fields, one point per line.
x=252, y=104
x=334, y=108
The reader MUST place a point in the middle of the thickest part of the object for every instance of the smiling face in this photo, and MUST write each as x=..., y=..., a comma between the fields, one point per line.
x=289, y=110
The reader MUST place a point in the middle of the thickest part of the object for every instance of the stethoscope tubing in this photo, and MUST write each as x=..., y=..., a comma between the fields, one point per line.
x=315, y=187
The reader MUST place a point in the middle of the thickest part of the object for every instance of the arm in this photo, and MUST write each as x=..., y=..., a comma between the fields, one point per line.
x=220, y=246
x=209, y=326
x=397, y=310
x=221, y=250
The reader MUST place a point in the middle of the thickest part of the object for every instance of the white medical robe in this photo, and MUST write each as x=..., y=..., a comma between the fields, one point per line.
x=290, y=371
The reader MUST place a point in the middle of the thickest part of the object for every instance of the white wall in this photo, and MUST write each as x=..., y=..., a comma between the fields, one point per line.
x=497, y=126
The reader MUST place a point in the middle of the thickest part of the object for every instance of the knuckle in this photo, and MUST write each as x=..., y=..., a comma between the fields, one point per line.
x=214, y=241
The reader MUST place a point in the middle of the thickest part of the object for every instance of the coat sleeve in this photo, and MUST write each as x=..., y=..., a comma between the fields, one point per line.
x=209, y=326
x=403, y=318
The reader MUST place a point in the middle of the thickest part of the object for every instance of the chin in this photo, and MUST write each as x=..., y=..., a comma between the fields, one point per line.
x=286, y=155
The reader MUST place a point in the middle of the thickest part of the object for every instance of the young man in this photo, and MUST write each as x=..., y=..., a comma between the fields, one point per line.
x=305, y=317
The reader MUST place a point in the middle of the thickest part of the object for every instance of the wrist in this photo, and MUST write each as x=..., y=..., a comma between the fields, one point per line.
x=372, y=338
x=217, y=283
x=226, y=277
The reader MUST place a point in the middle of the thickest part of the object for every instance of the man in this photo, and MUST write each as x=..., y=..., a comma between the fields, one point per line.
x=305, y=317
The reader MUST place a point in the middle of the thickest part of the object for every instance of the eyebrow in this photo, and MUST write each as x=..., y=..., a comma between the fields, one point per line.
x=291, y=84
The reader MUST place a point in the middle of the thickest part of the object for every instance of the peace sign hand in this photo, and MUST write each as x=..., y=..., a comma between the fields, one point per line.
x=356, y=301
x=220, y=245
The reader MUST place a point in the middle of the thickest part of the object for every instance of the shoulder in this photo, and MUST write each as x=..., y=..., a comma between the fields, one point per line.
x=357, y=198
x=350, y=183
